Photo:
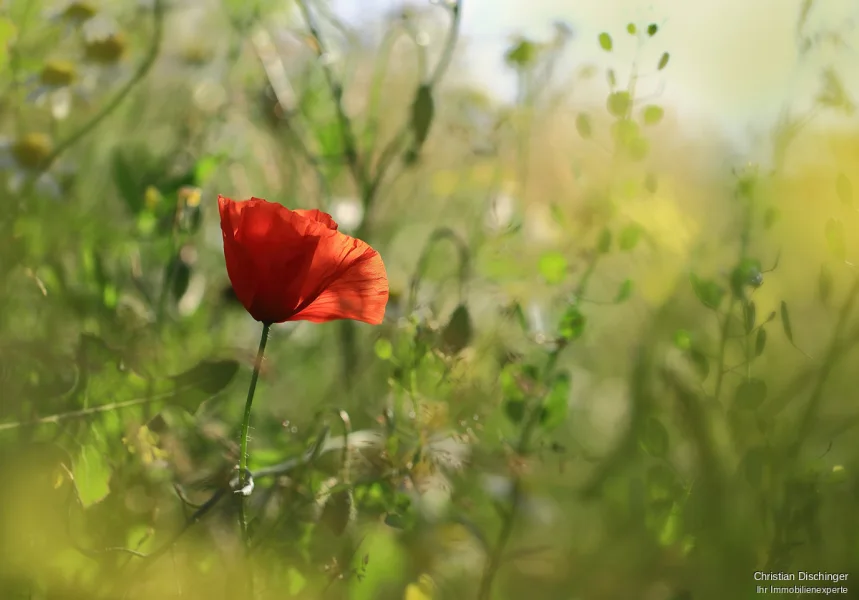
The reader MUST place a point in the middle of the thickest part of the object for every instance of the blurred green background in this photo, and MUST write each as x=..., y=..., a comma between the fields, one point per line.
x=616, y=361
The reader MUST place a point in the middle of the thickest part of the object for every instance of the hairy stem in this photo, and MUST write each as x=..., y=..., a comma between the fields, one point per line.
x=246, y=421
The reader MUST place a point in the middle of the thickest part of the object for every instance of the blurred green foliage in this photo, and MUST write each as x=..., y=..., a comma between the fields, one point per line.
x=609, y=368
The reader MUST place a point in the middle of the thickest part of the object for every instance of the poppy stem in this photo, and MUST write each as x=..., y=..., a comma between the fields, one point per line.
x=243, y=457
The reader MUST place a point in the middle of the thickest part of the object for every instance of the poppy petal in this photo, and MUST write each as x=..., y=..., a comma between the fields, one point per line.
x=295, y=265
x=284, y=255
x=351, y=283
x=268, y=253
x=318, y=216
x=240, y=266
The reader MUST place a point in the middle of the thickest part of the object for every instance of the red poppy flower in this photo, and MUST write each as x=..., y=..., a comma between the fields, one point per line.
x=293, y=265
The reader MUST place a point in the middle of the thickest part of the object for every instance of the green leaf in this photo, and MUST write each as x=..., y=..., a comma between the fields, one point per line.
x=199, y=383
x=652, y=29
x=760, y=341
x=652, y=114
x=192, y=218
x=205, y=168
x=572, y=324
x=126, y=181
x=708, y=291
x=337, y=511
x=395, y=521
x=510, y=378
x=627, y=135
x=584, y=126
x=522, y=54
x=515, y=410
x=700, y=362
x=558, y=214
x=771, y=217
x=624, y=292
x=297, y=581
x=458, y=332
x=555, y=405
x=605, y=41
x=330, y=138
x=651, y=184
x=631, y=29
x=785, y=322
x=91, y=475
x=844, y=188
x=604, y=241
x=553, y=267
x=629, y=237
x=423, y=111
x=384, y=349
x=825, y=283
x=178, y=273
x=750, y=315
x=746, y=274
x=654, y=438
x=618, y=103
x=663, y=61
x=626, y=131
x=835, y=239
x=750, y=394
x=682, y=339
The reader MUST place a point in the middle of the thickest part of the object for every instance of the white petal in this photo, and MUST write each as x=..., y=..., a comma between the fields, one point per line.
x=99, y=27
x=16, y=181
x=47, y=185
x=38, y=95
x=61, y=103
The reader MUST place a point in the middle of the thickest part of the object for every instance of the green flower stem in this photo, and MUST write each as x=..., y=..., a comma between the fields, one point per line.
x=246, y=421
